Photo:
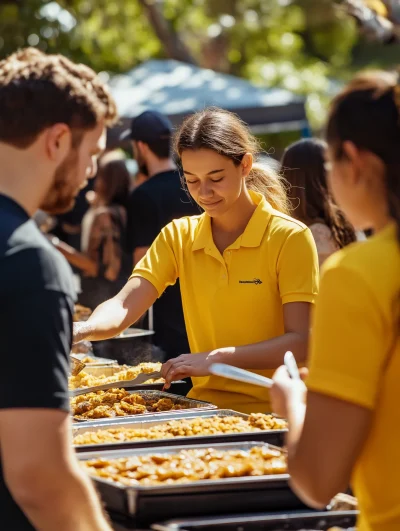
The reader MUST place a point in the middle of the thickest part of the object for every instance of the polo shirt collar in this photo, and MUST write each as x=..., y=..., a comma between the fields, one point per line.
x=253, y=233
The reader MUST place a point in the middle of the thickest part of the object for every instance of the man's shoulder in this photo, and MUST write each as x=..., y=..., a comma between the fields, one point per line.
x=30, y=263
x=164, y=193
x=169, y=179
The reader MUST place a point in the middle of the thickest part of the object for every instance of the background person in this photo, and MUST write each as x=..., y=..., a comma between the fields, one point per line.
x=303, y=166
x=52, y=119
x=346, y=427
x=152, y=205
x=103, y=262
x=248, y=272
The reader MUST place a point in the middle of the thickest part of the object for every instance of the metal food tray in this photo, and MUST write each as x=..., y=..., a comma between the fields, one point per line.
x=275, y=437
x=134, y=332
x=151, y=394
x=264, y=522
x=110, y=370
x=144, y=505
x=100, y=363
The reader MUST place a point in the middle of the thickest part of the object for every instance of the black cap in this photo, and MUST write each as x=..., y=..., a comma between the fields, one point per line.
x=149, y=126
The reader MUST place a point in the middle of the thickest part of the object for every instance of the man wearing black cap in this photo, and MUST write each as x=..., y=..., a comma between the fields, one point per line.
x=153, y=205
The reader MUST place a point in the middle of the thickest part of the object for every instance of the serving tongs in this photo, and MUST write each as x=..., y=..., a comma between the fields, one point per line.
x=140, y=378
x=228, y=371
x=76, y=365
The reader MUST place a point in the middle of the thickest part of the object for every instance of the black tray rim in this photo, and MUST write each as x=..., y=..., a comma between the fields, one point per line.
x=178, y=524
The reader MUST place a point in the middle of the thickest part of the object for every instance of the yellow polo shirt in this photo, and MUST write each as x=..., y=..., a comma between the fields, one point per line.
x=235, y=298
x=355, y=357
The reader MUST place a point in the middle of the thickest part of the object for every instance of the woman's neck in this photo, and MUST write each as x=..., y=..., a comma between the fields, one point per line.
x=228, y=227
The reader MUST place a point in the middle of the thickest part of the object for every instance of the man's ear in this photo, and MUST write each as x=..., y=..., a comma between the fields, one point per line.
x=143, y=148
x=58, y=141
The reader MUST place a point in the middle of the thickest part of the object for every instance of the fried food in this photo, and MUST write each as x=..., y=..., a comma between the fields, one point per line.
x=188, y=466
x=184, y=428
x=83, y=379
x=117, y=403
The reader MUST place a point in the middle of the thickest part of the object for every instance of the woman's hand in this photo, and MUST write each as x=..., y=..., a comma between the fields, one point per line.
x=286, y=391
x=188, y=365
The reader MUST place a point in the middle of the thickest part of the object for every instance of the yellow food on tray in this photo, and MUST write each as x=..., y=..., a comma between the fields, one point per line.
x=188, y=466
x=83, y=379
x=118, y=403
x=184, y=428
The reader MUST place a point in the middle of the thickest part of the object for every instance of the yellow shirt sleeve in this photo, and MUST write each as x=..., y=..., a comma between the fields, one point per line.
x=348, y=344
x=159, y=266
x=298, y=272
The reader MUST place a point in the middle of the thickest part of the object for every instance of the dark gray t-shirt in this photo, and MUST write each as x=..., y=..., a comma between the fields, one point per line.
x=37, y=297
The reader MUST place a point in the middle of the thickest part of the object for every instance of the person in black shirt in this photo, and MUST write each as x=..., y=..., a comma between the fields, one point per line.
x=52, y=128
x=153, y=205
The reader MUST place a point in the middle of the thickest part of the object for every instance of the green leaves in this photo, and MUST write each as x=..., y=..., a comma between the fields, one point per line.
x=297, y=44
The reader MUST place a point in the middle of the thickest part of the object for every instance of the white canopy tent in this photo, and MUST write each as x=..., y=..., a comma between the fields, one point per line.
x=177, y=89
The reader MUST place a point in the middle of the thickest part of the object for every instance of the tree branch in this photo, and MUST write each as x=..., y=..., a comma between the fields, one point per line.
x=173, y=45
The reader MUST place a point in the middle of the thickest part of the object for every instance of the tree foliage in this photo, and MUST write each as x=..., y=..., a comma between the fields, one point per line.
x=297, y=44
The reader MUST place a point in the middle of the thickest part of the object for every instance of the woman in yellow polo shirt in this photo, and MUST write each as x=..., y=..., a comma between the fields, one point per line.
x=248, y=272
x=346, y=427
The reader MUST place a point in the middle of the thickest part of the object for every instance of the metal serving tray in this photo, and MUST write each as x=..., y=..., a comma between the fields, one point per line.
x=98, y=363
x=275, y=437
x=264, y=522
x=110, y=370
x=134, y=332
x=151, y=394
x=146, y=505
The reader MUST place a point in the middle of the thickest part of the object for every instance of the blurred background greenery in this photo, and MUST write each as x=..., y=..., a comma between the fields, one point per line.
x=307, y=46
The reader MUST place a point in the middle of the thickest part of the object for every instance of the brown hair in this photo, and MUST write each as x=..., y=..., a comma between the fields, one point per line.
x=115, y=180
x=225, y=133
x=39, y=90
x=366, y=113
x=303, y=165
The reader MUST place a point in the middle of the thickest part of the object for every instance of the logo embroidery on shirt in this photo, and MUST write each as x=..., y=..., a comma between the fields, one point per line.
x=255, y=281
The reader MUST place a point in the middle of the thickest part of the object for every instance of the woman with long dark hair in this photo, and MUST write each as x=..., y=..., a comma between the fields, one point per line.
x=248, y=272
x=346, y=427
x=303, y=166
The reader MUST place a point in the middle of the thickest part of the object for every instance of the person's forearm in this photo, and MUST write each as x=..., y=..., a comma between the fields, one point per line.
x=299, y=469
x=107, y=321
x=115, y=315
x=70, y=505
x=266, y=354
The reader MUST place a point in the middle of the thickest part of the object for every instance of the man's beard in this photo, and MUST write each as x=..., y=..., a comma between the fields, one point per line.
x=61, y=197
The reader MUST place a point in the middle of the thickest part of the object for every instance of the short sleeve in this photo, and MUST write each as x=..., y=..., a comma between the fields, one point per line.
x=36, y=334
x=298, y=272
x=348, y=352
x=159, y=266
x=143, y=224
